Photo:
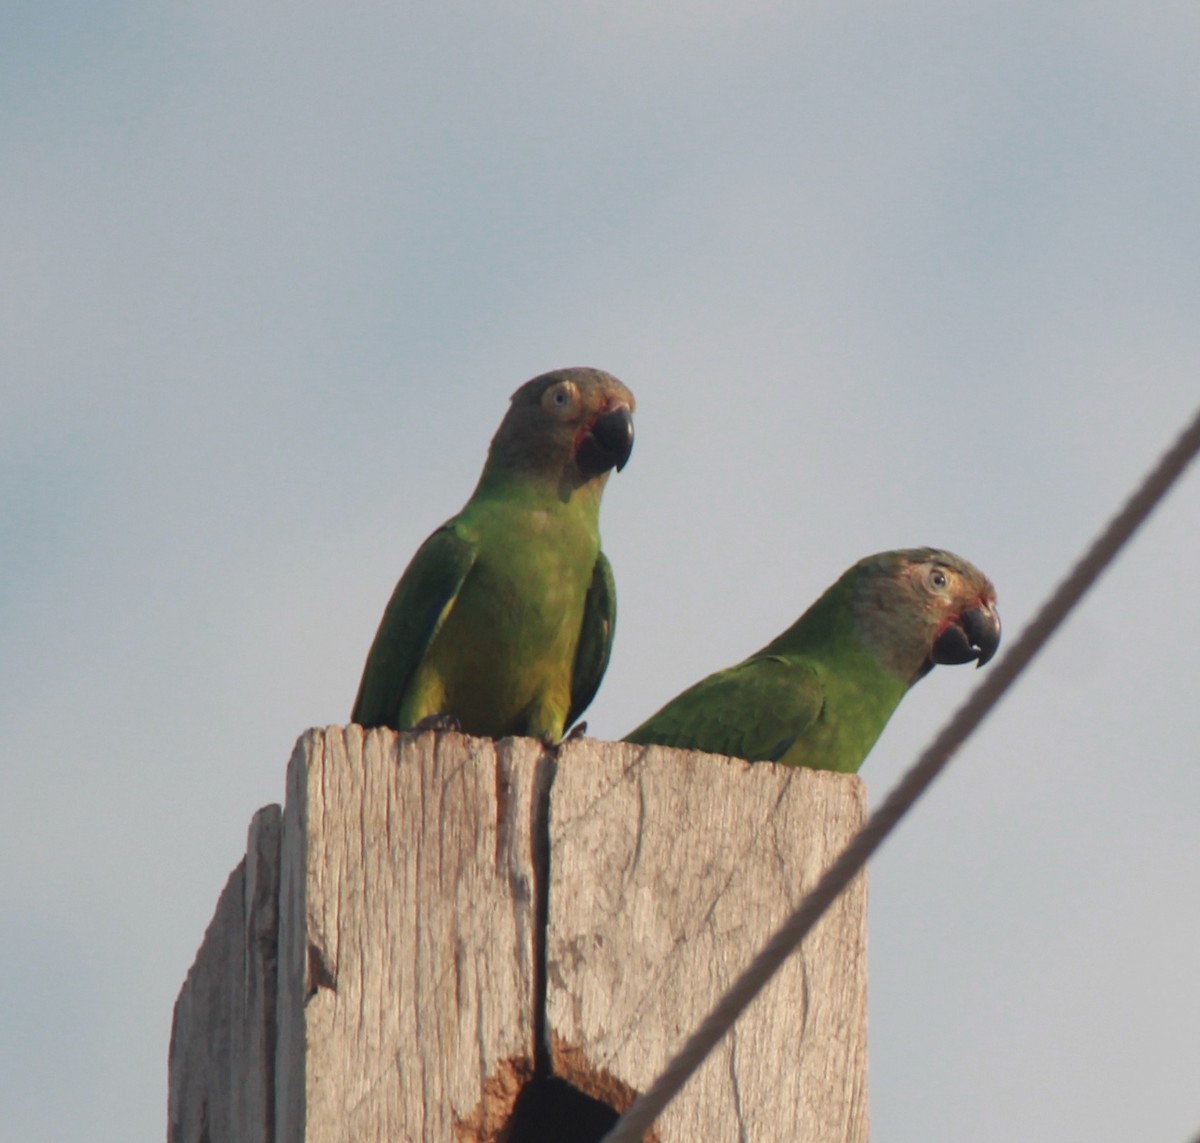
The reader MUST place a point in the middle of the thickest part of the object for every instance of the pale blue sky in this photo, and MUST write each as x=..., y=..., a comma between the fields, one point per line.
x=878, y=278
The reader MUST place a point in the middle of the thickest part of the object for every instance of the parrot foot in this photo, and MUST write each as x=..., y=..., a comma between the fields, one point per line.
x=439, y=723
x=578, y=731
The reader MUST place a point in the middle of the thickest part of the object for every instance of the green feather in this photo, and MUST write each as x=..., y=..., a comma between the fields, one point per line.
x=504, y=619
x=595, y=638
x=413, y=617
x=821, y=693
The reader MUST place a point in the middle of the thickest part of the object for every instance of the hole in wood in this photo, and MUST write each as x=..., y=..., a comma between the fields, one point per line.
x=550, y=1110
x=320, y=975
x=520, y=1106
x=491, y=1119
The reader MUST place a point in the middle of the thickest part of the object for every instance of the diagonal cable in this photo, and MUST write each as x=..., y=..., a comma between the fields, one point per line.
x=647, y=1107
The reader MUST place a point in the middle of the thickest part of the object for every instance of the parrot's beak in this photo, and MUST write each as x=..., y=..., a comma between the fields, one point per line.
x=975, y=635
x=607, y=442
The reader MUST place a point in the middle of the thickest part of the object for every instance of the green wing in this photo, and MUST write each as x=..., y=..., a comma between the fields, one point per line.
x=418, y=607
x=755, y=710
x=595, y=639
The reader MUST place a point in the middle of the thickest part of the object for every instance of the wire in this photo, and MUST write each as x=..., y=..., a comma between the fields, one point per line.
x=641, y=1114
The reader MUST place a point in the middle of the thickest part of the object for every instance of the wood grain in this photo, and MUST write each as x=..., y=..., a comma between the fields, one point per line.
x=669, y=870
x=221, y=1063
x=408, y=937
x=371, y=972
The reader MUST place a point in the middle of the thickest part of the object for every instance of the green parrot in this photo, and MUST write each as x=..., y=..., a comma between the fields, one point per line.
x=503, y=621
x=821, y=693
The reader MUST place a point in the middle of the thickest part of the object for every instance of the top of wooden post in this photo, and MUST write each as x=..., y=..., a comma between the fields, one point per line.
x=457, y=917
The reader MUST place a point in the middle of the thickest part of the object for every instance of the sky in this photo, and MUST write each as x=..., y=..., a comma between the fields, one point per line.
x=879, y=276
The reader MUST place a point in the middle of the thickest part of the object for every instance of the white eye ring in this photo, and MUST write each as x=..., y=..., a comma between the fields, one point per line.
x=561, y=399
x=938, y=578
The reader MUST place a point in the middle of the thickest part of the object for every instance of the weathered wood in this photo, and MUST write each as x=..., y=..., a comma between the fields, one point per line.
x=372, y=972
x=669, y=870
x=407, y=940
x=222, y=1055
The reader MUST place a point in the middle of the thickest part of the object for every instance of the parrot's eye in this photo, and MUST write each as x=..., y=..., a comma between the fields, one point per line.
x=561, y=400
x=938, y=578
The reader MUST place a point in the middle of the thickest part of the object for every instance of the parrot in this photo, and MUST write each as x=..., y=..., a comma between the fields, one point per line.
x=820, y=694
x=502, y=623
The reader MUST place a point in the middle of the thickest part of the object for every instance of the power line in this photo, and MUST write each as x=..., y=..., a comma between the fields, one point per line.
x=641, y=1114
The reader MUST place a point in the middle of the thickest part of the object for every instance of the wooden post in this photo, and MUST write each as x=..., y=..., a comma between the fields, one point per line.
x=452, y=939
x=222, y=1058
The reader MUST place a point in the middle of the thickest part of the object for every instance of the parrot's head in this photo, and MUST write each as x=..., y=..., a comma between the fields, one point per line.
x=572, y=425
x=924, y=606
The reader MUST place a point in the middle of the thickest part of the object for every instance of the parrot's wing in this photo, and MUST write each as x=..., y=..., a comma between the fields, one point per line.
x=415, y=613
x=755, y=710
x=595, y=638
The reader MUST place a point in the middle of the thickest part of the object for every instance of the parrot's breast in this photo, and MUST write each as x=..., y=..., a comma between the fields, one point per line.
x=504, y=657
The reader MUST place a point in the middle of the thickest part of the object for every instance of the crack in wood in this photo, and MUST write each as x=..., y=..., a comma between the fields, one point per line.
x=428, y=931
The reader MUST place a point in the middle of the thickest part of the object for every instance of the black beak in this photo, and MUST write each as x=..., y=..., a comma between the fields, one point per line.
x=607, y=443
x=976, y=635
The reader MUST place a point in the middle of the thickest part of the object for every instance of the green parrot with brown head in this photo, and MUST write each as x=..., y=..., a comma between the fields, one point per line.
x=821, y=693
x=503, y=621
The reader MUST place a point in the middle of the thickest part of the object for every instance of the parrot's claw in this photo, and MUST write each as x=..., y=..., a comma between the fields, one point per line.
x=439, y=724
x=578, y=731
x=573, y=735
